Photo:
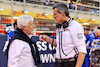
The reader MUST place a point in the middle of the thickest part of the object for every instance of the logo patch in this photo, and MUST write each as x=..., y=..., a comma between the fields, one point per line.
x=79, y=35
x=66, y=29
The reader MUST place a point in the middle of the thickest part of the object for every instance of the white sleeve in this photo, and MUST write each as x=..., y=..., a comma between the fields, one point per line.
x=14, y=53
x=79, y=38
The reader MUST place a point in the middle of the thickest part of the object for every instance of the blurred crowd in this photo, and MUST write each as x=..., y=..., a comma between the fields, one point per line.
x=92, y=39
x=71, y=5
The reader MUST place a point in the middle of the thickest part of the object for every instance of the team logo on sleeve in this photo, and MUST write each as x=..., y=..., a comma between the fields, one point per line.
x=79, y=35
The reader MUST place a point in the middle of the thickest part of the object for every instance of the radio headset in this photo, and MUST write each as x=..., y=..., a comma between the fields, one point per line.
x=64, y=25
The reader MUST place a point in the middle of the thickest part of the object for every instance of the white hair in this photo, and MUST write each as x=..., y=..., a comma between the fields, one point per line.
x=24, y=20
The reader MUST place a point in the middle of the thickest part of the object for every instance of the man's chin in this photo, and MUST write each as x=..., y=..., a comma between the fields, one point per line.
x=57, y=22
x=31, y=32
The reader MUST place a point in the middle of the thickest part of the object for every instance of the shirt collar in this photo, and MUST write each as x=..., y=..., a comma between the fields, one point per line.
x=29, y=36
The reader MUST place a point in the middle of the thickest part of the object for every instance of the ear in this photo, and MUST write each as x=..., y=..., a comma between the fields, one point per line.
x=23, y=28
x=63, y=14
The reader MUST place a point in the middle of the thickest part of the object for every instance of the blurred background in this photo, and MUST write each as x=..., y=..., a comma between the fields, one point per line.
x=86, y=12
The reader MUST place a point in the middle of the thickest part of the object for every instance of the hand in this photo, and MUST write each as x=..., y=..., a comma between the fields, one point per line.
x=43, y=38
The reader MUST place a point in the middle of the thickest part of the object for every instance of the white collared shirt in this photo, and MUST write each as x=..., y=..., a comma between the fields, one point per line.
x=20, y=54
x=72, y=36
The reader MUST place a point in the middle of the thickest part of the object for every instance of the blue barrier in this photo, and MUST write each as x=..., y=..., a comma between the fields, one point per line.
x=46, y=52
x=3, y=58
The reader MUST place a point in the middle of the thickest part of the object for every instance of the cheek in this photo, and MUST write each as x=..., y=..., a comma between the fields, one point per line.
x=31, y=28
x=59, y=19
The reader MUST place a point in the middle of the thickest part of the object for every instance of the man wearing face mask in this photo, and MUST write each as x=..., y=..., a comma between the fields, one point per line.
x=70, y=39
x=22, y=52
